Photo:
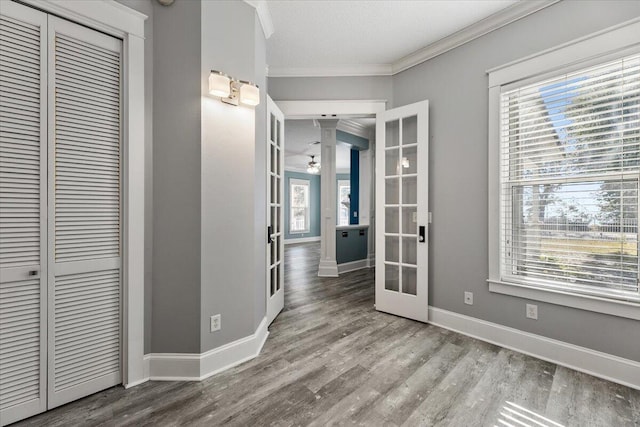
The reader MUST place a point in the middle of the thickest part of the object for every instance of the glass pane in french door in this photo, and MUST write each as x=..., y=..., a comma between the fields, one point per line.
x=275, y=199
x=408, y=203
x=401, y=198
x=392, y=207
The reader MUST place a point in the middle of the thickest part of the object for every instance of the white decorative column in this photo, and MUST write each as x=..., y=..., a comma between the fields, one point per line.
x=328, y=266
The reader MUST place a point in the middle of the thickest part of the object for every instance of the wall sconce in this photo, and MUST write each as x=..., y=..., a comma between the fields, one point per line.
x=233, y=91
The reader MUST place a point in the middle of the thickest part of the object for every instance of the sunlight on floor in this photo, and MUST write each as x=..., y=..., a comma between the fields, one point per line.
x=514, y=415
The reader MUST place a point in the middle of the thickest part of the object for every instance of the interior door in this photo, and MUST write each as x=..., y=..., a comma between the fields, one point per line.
x=402, y=160
x=275, y=213
x=85, y=264
x=23, y=211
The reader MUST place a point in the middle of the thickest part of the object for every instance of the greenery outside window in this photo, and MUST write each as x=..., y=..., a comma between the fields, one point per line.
x=569, y=170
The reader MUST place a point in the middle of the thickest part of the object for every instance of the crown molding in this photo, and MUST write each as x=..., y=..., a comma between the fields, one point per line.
x=354, y=128
x=491, y=23
x=264, y=15
x=357, y=70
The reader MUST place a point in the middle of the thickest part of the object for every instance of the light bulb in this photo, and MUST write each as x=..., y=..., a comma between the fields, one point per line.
x=249, y=94
x=219, y=84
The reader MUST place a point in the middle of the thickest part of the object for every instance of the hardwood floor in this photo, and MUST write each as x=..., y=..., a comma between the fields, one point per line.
x=332, y=359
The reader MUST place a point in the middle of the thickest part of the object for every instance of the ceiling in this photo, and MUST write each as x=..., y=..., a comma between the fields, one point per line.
x=299, y=142
x=313, y=37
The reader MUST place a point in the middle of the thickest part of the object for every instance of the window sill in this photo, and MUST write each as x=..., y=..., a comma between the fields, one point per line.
x=627, y=309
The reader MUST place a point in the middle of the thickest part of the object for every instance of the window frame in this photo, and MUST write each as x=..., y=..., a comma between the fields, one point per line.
x=342, y=183
x=300, y=182
x=610, y=44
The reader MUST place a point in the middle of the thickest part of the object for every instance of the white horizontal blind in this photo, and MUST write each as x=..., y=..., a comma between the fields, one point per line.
x=570, y=162
x=22, y=206
x=85, y=212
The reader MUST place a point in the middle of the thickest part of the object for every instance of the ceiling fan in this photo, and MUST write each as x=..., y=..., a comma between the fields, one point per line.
x=313, y=166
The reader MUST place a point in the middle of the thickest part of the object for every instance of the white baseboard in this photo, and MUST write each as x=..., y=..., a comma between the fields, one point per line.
x=302, y=240
x=328, y=268
x=612, y=368
x=196, y=367
x=345, y=267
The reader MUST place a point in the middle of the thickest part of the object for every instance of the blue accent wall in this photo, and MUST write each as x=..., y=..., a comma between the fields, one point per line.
x=354, y=206
x=314, y=214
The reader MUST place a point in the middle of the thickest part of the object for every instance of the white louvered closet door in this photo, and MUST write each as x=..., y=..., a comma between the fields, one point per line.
x=85, y=274
x=23, y=205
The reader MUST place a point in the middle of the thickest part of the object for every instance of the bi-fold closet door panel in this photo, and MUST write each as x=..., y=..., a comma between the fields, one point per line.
x=23, y=211
x=84, y=225
x=60, y=211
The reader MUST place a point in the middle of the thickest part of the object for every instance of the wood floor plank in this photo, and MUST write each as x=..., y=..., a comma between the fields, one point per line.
x=578, y=399
x=331, y=359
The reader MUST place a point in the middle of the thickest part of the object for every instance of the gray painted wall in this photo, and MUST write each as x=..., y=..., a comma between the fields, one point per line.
x=323, y=88
x=175, y=325
x=260, y=187
x=459, y=201
x=228, y=188
x=456, y=86
x=146, y=7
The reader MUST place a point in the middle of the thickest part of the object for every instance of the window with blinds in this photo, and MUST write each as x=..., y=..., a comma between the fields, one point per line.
x=300, y=204
x=570, y=163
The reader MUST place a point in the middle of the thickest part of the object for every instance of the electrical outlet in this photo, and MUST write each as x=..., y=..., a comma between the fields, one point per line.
x=216, y=323
x=532, y=311
x=468, y=298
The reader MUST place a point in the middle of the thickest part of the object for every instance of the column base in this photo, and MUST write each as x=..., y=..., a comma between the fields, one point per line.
x=328, y=268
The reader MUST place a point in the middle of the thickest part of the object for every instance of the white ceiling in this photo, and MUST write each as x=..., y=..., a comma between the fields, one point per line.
x=342, y=34
x=299, y=139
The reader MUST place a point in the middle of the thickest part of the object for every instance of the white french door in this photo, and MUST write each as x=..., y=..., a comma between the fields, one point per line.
x=402, y=194
x=275, y=212
x=60, y=213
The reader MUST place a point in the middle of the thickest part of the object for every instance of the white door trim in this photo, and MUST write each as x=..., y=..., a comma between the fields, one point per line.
x=314, y=109
x=120, y=21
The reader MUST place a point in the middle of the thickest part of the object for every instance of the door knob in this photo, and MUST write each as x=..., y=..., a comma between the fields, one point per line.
x=269, y=238
x=421, y=234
